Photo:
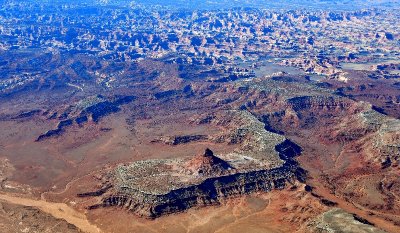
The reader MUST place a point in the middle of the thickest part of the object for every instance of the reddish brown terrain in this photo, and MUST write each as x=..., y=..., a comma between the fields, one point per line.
x=348, y=150
x=199, y=116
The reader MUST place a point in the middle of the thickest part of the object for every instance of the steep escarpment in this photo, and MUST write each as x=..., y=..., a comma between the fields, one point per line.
x=369, y=133
x=211, y=191
x=319, y=103
x=152, y=188
x=208, y=191
x=350, y=148
x=308, y=112
x=90, y=109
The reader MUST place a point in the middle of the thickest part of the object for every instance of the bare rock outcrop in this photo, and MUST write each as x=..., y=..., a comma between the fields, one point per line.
x=152, y=188
x=207, y=164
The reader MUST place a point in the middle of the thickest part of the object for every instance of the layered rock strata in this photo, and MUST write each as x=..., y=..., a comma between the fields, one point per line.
x=152, y=188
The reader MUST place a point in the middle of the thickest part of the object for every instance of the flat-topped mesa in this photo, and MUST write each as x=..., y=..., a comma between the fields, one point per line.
x=207, y=164
x=152, y=188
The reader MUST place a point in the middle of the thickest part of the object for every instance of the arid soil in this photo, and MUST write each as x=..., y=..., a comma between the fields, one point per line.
x=52, y=212
x=349, y=149
x=21, y=218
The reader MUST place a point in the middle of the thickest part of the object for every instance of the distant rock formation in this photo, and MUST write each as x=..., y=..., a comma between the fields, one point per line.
x=84, y=111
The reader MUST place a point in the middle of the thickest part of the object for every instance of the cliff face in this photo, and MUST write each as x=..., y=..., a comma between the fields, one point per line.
x=211, y=190
x=319, y=103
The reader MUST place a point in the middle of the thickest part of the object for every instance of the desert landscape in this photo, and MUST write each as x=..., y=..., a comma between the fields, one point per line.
x=120, y=116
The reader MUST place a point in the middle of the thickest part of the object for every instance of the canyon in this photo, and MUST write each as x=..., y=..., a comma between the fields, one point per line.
x=135, y=117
